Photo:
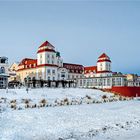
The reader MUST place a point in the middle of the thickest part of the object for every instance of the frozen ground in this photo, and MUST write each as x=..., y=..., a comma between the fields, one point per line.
x=118, y=120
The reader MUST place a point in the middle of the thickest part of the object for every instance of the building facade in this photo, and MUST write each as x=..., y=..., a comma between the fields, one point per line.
x=48, y=66
x=133, y=80
x=102, y=69
x=102, y=77
x=4, y=72
x=12, y=72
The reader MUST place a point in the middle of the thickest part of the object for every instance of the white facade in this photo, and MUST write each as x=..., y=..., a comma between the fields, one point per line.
x=104, y=66
x=102, y=82
x=101, y=76
x=48, y=62
x=102, y=69
x=4, y=73
x=48, y=66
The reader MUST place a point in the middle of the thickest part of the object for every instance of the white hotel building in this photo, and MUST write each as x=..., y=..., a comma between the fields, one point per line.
x=101, y=76
x=48, y=66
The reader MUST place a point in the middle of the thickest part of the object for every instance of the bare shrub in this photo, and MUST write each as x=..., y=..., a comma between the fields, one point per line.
x=26, y=101
x=34, y=106
x=43, y=103
x=27, y=106
x=13, y=106
x=66, y=100
x=88, y=97
x=13, y=101
x=104, y=97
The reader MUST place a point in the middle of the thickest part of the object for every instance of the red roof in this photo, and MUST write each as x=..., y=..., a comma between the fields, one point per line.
x=90, y=69
x=28, y=63
x=108, y=60
x=46, y=43
x=73, y=68
x=45, y=50
x=103, y=56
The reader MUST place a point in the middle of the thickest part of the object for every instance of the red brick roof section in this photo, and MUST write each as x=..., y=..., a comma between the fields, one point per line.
x=103, y=56
x=90, y=69
x=74, y=68
x=46, y=43
x=28, y=63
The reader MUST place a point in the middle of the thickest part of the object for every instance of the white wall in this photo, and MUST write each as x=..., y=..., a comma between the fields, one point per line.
x=103, y=66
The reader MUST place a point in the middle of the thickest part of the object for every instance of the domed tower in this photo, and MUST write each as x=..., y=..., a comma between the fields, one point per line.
x=46, y=54
x=47, y=62
x=104, y=65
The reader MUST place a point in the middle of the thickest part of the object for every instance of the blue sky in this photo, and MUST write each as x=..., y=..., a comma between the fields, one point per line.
x=80, y=30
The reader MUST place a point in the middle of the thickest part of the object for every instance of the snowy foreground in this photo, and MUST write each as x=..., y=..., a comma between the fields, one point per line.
x=68, y=114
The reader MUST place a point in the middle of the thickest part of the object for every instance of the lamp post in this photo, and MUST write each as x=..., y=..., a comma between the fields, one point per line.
x=27, y=81
x=6, y=84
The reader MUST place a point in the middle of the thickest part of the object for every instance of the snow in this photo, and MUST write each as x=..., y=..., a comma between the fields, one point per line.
x=53, y=97
x=104, y=121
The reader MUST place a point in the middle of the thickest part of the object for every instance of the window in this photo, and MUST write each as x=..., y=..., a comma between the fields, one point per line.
x=2, y=70
x=62, y=74
x=58, y=76
x=48, y=56
x=48, y=71
x=109, y=66
x=53, y=78
x=48, y=78
x=53, y=71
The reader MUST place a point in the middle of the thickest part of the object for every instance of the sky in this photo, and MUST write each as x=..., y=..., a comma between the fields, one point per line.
x=80, y=30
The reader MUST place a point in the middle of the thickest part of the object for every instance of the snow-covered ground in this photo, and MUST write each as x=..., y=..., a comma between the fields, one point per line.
x=87, y=120
x=20, y=99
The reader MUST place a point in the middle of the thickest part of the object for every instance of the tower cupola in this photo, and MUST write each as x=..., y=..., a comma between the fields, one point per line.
x=104, y=64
